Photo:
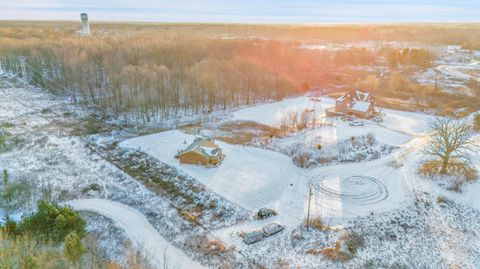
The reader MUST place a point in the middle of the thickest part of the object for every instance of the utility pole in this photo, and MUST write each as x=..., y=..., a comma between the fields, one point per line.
x=308, y=212
x=24, y=70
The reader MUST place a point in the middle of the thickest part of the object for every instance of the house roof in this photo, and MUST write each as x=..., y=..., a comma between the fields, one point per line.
x=361, y=106
x=362, y=96
x=203, y=146
x=343, y=97
x=210, y=151
x=358, y=96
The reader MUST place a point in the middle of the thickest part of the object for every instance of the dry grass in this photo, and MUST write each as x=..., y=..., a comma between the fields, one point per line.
x=188, y=216
x=336, y=253
x=244, y=132
x=208, y=246
x=214, y=247
x=455, y=168
x=316, y=223
x=429, y=169
x=441, y=199
x=343, y=250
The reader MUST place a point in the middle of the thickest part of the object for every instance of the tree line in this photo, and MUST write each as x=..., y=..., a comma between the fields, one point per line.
x=154, y=73
x=151, y=78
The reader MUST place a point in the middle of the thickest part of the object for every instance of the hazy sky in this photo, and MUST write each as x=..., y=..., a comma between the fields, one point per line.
x=247, y=11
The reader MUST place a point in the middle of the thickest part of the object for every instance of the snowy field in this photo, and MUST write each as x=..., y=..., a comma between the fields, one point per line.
x=271, y=113
x=394, y=210
x=400, y=122
x=253, y=178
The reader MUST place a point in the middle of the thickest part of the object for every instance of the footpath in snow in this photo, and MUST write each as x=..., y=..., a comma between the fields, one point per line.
x=140, y=232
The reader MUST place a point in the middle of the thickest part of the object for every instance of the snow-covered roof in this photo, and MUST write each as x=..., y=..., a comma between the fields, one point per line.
x=361, y=106
x=203, y=146
x=211, y=151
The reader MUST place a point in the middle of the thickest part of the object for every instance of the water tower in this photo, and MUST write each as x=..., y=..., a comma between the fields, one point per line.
x=85, y=26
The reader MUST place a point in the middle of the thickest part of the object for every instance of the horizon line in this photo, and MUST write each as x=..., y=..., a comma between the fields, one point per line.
x=249, y=23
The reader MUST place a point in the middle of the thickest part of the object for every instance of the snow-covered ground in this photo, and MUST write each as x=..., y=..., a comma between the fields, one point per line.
x=401, y=122
x=453, y=70
x=383, y=200
x=271, y=113
x=249, y=177
x=253, y=178
x=369, y=45
x=308, y=150
x=59, y=166
x=161, y=253
x=342, y=194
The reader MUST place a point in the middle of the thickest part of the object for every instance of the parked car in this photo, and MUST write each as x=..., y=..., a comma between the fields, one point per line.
x=377, y=119
x=253, y=237
x=272, y=228
x=356, y=123
x=350, y=118
x=264, y=213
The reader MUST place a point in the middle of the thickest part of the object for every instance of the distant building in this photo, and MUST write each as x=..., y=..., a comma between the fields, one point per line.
x=354, y=103
x=203, y=151
x=85, y=25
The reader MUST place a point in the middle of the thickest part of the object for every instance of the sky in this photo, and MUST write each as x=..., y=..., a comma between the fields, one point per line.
x=246, y=11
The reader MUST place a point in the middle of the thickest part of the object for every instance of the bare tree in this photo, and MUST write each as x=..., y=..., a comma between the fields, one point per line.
x=452, y=139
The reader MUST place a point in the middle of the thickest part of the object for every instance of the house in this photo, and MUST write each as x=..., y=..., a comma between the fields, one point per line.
x=355, y=103
x=202, y=151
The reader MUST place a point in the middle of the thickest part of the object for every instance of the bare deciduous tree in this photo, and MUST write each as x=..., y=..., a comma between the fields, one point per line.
x=451, y=139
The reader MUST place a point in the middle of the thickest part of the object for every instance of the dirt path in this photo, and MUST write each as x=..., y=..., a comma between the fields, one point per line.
x=140, y=232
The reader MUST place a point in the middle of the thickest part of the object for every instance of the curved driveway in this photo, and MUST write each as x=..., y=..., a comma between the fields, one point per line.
x=140, y=232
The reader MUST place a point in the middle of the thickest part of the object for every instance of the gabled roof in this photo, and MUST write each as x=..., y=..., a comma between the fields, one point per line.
x=362, y=96
x=203, y=146
x=357, y=96
x=343, y=97
x=210, y=151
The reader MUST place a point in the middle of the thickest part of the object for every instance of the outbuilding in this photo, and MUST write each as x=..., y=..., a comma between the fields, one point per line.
x=202, y=151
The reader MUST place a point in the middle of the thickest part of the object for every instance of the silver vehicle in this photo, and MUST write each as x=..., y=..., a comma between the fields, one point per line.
x=356, y=123
x=253, y=237
x=272, y=228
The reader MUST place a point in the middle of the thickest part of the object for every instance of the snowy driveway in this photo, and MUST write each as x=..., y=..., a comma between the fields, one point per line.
x=139, y=231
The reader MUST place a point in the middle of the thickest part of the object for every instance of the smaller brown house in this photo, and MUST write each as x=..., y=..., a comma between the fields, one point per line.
x=355, y=103
x=203, y=151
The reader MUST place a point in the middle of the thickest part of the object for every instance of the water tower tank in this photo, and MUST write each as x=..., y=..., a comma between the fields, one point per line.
x=85, y=26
